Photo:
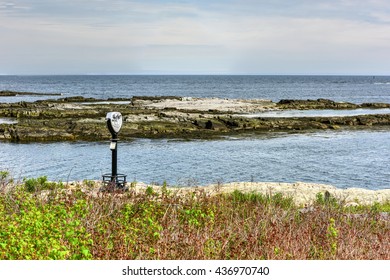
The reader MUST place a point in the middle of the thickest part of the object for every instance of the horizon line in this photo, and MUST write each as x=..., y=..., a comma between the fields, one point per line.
x=172, y=74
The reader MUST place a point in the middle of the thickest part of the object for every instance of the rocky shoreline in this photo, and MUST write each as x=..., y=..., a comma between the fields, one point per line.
x=79, y=118
x=303, y=194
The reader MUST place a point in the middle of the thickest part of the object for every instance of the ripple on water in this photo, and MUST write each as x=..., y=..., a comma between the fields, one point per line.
x=340, y=158
x=317, y=113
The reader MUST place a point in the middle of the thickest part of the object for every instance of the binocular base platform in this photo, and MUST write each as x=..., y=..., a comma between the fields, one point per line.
x=114, y=182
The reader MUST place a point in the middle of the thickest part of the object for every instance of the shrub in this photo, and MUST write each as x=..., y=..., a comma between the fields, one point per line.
x=164, y=224
x=43, y=230
x=40, y=183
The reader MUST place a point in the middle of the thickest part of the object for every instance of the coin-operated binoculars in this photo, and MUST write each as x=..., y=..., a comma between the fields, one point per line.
x=114, y=180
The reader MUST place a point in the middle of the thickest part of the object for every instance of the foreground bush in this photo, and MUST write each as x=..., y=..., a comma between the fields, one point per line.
x=74, y=224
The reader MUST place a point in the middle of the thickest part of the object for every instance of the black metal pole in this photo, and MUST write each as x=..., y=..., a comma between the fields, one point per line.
x=114, y=164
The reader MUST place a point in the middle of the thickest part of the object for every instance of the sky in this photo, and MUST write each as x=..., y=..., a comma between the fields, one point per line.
x=275, y=37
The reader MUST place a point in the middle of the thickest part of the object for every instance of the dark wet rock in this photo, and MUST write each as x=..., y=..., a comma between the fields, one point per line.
x=16, y=93
x=68, y=119
x=155, y=98
x=23, y=104
x=71, y=99
x=375, y=105
x=309, y=104
x=314, y=104
x=77, y=99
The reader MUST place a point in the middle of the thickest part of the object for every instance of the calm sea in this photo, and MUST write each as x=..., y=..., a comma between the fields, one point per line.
x=342, y=158
x=357, y=89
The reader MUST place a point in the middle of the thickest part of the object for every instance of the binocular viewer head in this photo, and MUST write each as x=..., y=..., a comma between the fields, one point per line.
x=114, y=123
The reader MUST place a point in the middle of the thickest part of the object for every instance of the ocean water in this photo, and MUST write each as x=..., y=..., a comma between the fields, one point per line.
x=356, y=89
x=344, y=159
x=341, y=158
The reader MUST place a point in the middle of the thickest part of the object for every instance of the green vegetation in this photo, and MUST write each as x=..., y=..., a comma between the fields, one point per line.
x=32, y=230
x=43, y=220
x=37, y=184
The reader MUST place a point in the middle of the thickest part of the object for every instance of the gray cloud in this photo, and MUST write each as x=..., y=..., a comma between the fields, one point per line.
x=151, y=36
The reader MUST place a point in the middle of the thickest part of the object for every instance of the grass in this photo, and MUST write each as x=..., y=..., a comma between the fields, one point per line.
x=41, y=220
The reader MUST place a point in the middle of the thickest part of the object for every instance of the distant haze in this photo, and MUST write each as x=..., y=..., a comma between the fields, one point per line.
x=195, y=37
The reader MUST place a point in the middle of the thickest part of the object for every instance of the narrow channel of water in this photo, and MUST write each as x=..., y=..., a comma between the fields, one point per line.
x=8, y=120
x=343, y=159
x=317, y=113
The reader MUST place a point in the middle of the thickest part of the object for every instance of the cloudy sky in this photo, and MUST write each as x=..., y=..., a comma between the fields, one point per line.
x=195, y=37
